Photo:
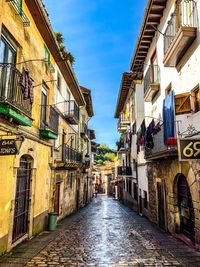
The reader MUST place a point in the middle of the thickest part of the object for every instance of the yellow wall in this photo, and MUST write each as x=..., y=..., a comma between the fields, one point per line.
x=31, y=47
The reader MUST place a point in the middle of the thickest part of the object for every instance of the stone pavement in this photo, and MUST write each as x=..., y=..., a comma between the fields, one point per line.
x=104, y=234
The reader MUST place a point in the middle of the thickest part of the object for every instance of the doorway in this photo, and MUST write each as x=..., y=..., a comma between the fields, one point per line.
x=57, y=199
x=161, y=206
x=186, y=210
x=21, y=210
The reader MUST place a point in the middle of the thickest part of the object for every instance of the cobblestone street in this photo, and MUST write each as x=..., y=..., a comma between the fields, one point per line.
x=105, y=234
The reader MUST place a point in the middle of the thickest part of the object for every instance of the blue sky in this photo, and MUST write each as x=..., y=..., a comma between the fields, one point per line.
x=101, y=34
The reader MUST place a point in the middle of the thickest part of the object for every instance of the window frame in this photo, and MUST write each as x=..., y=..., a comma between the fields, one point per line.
x=47, y=56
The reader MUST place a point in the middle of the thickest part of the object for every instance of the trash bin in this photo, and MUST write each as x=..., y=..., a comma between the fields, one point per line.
x=52, y=221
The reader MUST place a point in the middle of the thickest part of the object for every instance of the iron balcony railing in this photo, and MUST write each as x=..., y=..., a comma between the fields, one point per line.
x=120, y=145
x=152, y=76
x=124, y=170
x=10, y=90
x=72, y=155
x=72, y=110
x=160, y=149
x=49, y=119
x=17, y=5
x=84, y=129
x=185, y=15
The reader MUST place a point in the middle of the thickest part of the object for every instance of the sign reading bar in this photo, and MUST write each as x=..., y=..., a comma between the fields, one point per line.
x=8, y=147
x=189, y=149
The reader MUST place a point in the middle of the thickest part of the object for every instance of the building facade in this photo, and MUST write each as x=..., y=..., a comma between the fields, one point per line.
x=167, y=58
x=41, y=158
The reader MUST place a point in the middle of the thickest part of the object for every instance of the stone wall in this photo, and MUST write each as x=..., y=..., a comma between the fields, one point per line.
x=166, y=172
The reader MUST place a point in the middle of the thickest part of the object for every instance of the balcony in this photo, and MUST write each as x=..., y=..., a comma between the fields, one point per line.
x=151, y=82
x=91, y=134
x=124, y=171
x=71, y=112
x=123, y=123
x=180, y=33
x=160, y=150
x=14, y=103
x=83, y=130
x=17, y=5
x=121, y=146
x=49, y=123
x=71, y=155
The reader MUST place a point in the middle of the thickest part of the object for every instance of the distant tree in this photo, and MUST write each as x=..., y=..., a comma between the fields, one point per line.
x=110, y=156
x=104, y=154
x=103, y=149
x=100, y=162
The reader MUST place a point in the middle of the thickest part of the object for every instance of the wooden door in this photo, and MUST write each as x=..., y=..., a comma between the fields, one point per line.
x=161, y=206
x=57, y=199
x=186, y=209
x=20, y=224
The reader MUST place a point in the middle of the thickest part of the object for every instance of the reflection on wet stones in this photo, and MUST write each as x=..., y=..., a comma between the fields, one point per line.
x=110, y=236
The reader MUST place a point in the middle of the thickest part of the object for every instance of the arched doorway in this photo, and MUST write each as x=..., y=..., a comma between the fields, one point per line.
x=186, y=209
x=21, y=211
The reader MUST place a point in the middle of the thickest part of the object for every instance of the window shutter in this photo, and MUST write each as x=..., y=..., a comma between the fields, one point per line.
x=182, y=103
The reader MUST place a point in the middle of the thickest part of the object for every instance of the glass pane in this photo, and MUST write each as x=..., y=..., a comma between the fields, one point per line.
x=2, y=51
x=11, y=56
x=43, y=107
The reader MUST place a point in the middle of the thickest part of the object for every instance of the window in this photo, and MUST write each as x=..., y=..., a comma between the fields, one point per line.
x=145, y=202
x=58, y=81
x=47, y=56
x=7, y=49
x=43, y=114
x=154, y=66
x=195, y=101
x=135, y=191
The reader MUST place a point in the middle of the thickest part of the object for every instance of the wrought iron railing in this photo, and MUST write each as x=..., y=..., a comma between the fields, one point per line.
x=124, y=170
x=10, y=90
x=185, y=15
x=152, y=76
x=84, y=129
x=49, y=119
x=17, y=5
x=71, y=109
x=72, y=155
x=120, y=145
x=159, y=147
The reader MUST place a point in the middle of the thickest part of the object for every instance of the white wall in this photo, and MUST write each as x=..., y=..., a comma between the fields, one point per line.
x=183, y=78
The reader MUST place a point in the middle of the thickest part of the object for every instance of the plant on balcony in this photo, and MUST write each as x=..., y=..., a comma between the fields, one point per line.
x=66, y=55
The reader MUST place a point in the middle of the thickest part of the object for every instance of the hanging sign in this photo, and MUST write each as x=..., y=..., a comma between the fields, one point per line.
x=189, y=149
x=8, y=147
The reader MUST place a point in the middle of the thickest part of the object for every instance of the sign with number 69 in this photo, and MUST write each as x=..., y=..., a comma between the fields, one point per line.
x=189, y=149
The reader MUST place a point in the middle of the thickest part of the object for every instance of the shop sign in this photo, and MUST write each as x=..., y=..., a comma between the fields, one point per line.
x=8, y=147
x=189, y=149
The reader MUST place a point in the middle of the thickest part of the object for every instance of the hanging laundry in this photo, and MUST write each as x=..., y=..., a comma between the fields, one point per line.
x=26, y=84
x=148, y=136
x=143, y=128
x=168, y=116
x=157, y=128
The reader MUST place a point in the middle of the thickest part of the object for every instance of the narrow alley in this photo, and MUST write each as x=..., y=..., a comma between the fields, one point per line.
x=106, y=233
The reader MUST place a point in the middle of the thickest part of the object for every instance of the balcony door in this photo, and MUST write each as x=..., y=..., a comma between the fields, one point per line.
x=43, y=114
x=7, y=55
x=154, y=65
